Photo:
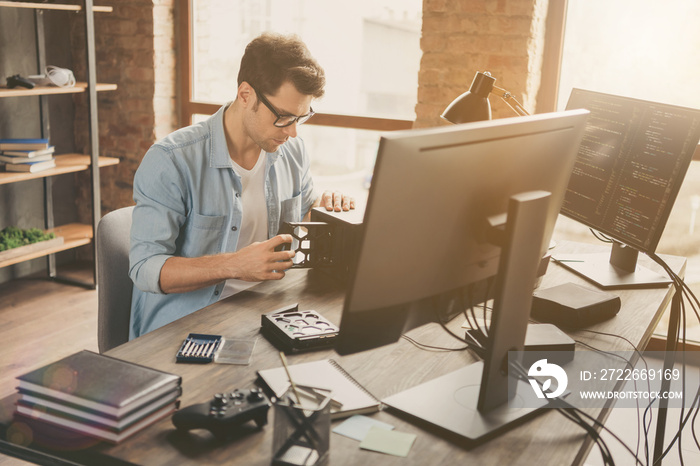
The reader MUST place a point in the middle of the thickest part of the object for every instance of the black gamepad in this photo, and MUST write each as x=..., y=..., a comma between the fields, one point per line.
x=17, y=80
x=224, y=412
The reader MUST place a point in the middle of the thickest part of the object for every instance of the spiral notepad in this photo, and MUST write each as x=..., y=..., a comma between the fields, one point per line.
x=326, y=374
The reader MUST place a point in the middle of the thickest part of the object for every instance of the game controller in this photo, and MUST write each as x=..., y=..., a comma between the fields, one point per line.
x=224, y=412
x=17, y=80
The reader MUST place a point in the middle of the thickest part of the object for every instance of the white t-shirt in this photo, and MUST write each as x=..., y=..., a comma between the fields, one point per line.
x=254, y=220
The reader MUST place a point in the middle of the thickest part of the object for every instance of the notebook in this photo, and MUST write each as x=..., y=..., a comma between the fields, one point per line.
x=98, y=383
x=109, y=434
x=328, y=374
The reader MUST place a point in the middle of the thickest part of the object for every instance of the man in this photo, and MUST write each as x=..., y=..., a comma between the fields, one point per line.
x=211, y=197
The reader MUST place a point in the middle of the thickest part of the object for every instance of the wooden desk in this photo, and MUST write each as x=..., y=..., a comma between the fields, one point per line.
x=545, y=439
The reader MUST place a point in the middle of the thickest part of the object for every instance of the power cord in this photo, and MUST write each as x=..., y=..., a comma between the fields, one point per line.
x=60, y=77
x=567, y=410
x=54, y=75
x=684, y=291
x=679, y=332
x=645, y=425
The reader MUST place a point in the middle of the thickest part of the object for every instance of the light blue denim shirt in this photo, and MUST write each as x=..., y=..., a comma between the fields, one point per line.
x=188, y=204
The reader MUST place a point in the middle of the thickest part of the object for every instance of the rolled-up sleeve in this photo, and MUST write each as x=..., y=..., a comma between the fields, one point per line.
x=159, y=214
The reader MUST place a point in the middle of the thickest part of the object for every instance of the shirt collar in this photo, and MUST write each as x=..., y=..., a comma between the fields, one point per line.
x=219, y=156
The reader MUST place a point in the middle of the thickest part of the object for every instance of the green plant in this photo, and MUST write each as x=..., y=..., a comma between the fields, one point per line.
x=13, y=237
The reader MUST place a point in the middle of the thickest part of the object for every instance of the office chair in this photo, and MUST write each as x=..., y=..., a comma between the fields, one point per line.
x=114, y=287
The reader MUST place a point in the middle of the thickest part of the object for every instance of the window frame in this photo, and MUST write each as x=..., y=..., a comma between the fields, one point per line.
x=189, y=107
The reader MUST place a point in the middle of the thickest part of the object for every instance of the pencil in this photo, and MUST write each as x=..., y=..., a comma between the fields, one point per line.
x=289, y=376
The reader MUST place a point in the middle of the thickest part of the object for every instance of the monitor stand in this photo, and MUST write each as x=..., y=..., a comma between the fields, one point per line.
x=457, y=401
x=451, y=401
x=619, y=269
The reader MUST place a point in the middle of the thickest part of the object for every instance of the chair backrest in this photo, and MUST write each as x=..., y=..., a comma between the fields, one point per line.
x=114, y=287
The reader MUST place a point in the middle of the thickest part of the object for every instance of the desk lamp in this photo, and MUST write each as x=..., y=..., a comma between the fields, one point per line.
x=474, y=104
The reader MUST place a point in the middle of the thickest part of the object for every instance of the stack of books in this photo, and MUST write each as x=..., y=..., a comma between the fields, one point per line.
x=26, y=155
x=97, y=395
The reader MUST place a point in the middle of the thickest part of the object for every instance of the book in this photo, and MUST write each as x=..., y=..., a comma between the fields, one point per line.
x=81, y=414
x=24, y=144
x=325, y=374
x=20, y=159
x=30, y=167
x=112, y=435
x=28, y=153
x=99, y=383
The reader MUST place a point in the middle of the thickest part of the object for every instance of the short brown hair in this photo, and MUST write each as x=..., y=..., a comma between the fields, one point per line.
x=272, y=59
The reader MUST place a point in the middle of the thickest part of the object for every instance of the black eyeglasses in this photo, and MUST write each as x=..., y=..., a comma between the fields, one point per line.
x=284, y=120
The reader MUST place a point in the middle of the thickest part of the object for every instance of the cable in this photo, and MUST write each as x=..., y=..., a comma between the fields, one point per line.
x=629, y=363
x=425, y=347
x=54, y=76
x=575, y=414
x=601, y=237
x=480, y=351
x=683, y=291
x=647, y=415
x=60, y=77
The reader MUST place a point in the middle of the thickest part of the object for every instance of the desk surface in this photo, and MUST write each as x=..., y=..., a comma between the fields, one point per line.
x=545, y=439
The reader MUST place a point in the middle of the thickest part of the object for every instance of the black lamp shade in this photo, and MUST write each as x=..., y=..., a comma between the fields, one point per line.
x=474, y=104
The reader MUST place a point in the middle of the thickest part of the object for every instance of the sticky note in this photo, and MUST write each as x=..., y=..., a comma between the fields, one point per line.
x=388, y=441
x=357, y=427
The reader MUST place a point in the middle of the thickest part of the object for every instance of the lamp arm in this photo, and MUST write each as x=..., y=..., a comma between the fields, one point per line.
x=510, y=100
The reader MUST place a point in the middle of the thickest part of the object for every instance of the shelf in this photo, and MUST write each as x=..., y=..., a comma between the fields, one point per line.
x=54, y=6
x=66, y=163
x=49, y=90
x=74, y=235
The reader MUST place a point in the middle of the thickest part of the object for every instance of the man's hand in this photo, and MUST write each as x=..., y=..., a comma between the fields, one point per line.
x=254, y=263
x=336, y=201
x=260, y=261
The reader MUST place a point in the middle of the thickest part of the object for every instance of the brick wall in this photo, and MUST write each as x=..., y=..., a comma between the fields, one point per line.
x=135, y=48
x=461, y=37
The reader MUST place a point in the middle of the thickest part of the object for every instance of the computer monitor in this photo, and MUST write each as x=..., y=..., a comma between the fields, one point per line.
x=429, y=228
x=631, y=163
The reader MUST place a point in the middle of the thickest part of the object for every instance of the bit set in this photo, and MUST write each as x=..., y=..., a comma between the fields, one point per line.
x=199, y=348
x=292, y=330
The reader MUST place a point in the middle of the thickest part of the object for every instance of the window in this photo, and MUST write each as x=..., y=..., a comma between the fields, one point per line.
x=371, y=58
x=638, y=48
x=644, y=49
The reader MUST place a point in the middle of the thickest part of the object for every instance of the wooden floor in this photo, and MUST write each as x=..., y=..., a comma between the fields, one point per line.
x=41, y=321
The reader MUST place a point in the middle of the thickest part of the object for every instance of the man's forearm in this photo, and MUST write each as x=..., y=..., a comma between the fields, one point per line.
x=256, y=262
x=184, y=274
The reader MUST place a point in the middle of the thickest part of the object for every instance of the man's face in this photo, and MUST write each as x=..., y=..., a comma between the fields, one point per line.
x=259, y=122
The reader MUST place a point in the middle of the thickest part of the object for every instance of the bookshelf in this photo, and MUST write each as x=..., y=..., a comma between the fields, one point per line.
x=74, y=234
x=65, y=163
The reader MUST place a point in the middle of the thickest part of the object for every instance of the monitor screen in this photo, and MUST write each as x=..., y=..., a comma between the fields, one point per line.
x=432, y=226
x=630, y=166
